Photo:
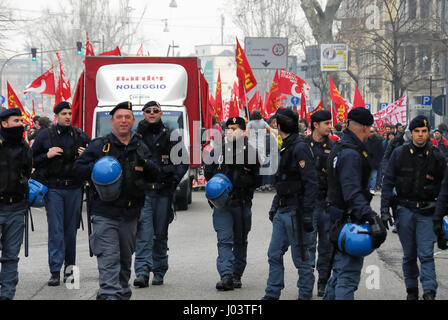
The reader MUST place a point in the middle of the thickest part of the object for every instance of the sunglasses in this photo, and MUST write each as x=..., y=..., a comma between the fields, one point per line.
x=155, y=111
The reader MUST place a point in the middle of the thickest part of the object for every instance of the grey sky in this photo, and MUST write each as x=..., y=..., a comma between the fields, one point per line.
x=193, y=22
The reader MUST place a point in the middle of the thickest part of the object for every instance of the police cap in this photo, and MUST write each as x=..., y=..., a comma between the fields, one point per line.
x=5, y=114
x=151, y=104
x=322, y=115
x=418, y=122
x=62, y=105
x=237, y=120
x=361, y=115
x=127, y=105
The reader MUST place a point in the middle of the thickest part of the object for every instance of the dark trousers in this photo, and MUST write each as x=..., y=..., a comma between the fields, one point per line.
x=63, y=211
x=113, y=243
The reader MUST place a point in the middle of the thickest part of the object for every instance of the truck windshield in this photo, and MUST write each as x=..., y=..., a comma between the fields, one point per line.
x=172, y=119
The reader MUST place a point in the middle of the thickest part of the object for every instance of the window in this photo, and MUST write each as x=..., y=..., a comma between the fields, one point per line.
x=412, y=9
x=425, y=58
x=425, y=9
x=410, y=58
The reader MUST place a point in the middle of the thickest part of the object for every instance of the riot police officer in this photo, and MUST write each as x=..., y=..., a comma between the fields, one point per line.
x=15, y=170
x=157, y=213
x=292, y=210
x=239, y=162
x=321, y=146
x=54, y=151
x=416, y=171
x=349, y=199
x=114, y=218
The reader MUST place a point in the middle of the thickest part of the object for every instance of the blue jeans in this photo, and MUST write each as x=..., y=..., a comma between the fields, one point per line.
x=152, y=236
x=12, y=224
x=63, y=213
x=417, y=238
x=285, y=234
x=324, y=246
x=232, y=225
x=345, y=278
x=372, y=179
x=113, y=243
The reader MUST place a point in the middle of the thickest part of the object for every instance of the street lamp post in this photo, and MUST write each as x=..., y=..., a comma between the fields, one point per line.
x=3, y=67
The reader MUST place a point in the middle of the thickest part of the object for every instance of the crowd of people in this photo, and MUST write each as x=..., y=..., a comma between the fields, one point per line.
x=324, y=180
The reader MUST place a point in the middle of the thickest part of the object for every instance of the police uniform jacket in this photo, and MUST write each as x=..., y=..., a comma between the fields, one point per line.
x=16, y=163
x=157, y=139
x=132, y=196
x=320, y=153
x=299, y=160
x=416, y=173
x=351, y=172
x=243, y=156
x=58, y=172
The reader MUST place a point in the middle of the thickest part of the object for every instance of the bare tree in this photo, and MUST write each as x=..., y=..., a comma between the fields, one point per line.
x=8, y=22
x=387, y=52
x=62, y=29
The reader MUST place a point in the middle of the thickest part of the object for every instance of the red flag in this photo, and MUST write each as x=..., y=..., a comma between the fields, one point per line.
x=89, y=47
x=244, y=73
x=34, y=111
x=115, y=52
x=140, y=51
x=339, y=102
x=218, y=99
x=358, y=101
x=291, y=84
x=265, y=105
x=318, y=108
x=64, y=85
x=233, y=110
x=253, y=103
x=274, y=96
x=303, y=111
x=14, y=102
x=43, y=85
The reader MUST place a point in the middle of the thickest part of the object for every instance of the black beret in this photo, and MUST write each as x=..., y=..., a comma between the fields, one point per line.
x=322, y=115
x=236, y=120
x=127, y=105
x=62, y=105
x=5, y=114
x=151, y=104
x=361, y=115
x=418, y=122
x=288, y=113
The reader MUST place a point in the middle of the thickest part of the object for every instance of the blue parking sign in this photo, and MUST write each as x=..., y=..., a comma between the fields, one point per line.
x=2, y=99
x=427, y=100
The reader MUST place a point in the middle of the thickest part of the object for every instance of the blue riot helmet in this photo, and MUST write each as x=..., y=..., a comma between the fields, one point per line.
x=218, y=189
x=107, y=176
x=445, y=229
x=355, y=240
x=37, y=192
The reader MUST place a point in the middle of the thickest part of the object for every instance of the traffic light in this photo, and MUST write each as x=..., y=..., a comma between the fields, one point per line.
x=33, y=54
x=79, y=47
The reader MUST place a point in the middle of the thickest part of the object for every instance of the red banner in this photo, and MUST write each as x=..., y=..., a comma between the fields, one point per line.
x=244, y=72
x=14, y=102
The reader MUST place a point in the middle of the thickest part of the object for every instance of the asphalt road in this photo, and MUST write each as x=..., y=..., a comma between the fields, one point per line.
x=192, y=273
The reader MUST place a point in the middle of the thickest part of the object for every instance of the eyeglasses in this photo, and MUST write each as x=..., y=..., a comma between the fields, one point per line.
x=150, y=110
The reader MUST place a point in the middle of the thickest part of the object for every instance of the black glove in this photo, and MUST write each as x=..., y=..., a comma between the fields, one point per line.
x=442, y=243
x=438, y=230
x=307, y=221
x=272, y=214
x=386, y=218
x=378, y=230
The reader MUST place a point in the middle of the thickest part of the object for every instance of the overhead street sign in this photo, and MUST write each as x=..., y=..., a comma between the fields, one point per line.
x=333, y=57
x=266, y=53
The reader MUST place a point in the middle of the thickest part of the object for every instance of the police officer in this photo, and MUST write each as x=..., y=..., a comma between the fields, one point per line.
x=114, y=222
x=157, y=213
x=292, y=210
x=238, y=160
x=321, y=146
x=349, y=199
x=15, y=170
x=54, y=151
x=416, y=171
